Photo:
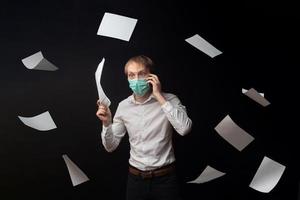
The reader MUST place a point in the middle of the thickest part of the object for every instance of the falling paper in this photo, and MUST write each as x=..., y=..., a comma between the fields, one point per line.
x=102, y=97
x=38, y=62
x=267, y=175
x=203, y=46
x=208, y=174
x=77, y=176
x=244, y=91
x=41, y=122
x=254, y=95
x=117, y=26
x=233, y=134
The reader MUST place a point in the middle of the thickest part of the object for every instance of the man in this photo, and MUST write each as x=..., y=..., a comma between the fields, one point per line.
x=148, y=116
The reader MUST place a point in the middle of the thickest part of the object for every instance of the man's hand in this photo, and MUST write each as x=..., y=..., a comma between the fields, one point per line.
x=104, y=114
x=156, y=88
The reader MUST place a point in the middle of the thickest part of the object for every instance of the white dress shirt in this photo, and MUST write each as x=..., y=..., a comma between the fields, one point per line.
x=149, y=127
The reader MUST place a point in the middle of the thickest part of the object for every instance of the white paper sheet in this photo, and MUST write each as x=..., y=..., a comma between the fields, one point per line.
x=117, y=26
x=208, y=174
x=233, y=134
x=255, y=96
x=102, y=96
x=244, y=91
x=267, y=175
x=76, y=174
x=201, y=44
x=38, y=62
x=41, y=122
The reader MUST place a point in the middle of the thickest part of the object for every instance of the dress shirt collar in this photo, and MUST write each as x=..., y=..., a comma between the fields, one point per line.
x=132, y=99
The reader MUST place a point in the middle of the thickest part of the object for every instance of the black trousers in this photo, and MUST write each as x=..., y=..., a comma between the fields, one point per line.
x=156, y=188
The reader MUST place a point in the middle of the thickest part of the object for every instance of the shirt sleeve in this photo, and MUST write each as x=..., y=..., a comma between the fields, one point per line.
x=177, y=115
x=112, y=135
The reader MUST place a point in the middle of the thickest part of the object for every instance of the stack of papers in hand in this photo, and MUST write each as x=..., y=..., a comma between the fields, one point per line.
x=102, y=97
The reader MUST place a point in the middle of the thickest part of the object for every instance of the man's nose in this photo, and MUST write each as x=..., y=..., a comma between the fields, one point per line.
x=137, y=76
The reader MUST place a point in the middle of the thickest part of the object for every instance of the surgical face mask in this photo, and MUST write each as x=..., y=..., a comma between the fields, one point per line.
x=139, y=86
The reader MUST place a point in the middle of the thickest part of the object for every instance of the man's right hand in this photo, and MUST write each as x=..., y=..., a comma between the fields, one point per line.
x=104, y=114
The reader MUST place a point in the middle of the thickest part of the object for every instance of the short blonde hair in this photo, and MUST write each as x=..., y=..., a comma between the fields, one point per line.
x=141, y=59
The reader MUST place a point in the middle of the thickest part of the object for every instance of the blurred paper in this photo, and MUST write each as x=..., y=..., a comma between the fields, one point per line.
x=77, y=176
x=267, y=175
x=244, y=91
x=117, y=26
x=41, y=122
x=102, y=97
x=233, y=134
x=203, y=46
x=254, y=95
x=38, y=62
x=208, y=174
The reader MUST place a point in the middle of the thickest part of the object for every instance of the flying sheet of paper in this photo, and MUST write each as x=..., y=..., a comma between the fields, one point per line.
x=254, y=95
x=102, y=97
x=233, y=134
x=77, y=176
x=41, y=122
x=201, y=44
x=208, y=174
x=38, y=62
x=244, y=91
x=267, y=175
x=117, y=26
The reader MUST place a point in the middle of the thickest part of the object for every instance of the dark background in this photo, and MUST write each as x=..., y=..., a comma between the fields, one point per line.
x=259, y=42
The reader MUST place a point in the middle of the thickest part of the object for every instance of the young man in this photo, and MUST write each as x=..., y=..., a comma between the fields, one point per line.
x=148, y=116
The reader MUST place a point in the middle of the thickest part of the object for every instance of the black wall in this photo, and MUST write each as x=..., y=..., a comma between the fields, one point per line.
x=259, y=43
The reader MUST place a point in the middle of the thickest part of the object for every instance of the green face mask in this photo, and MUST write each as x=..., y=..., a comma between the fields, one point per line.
x=139, y=86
